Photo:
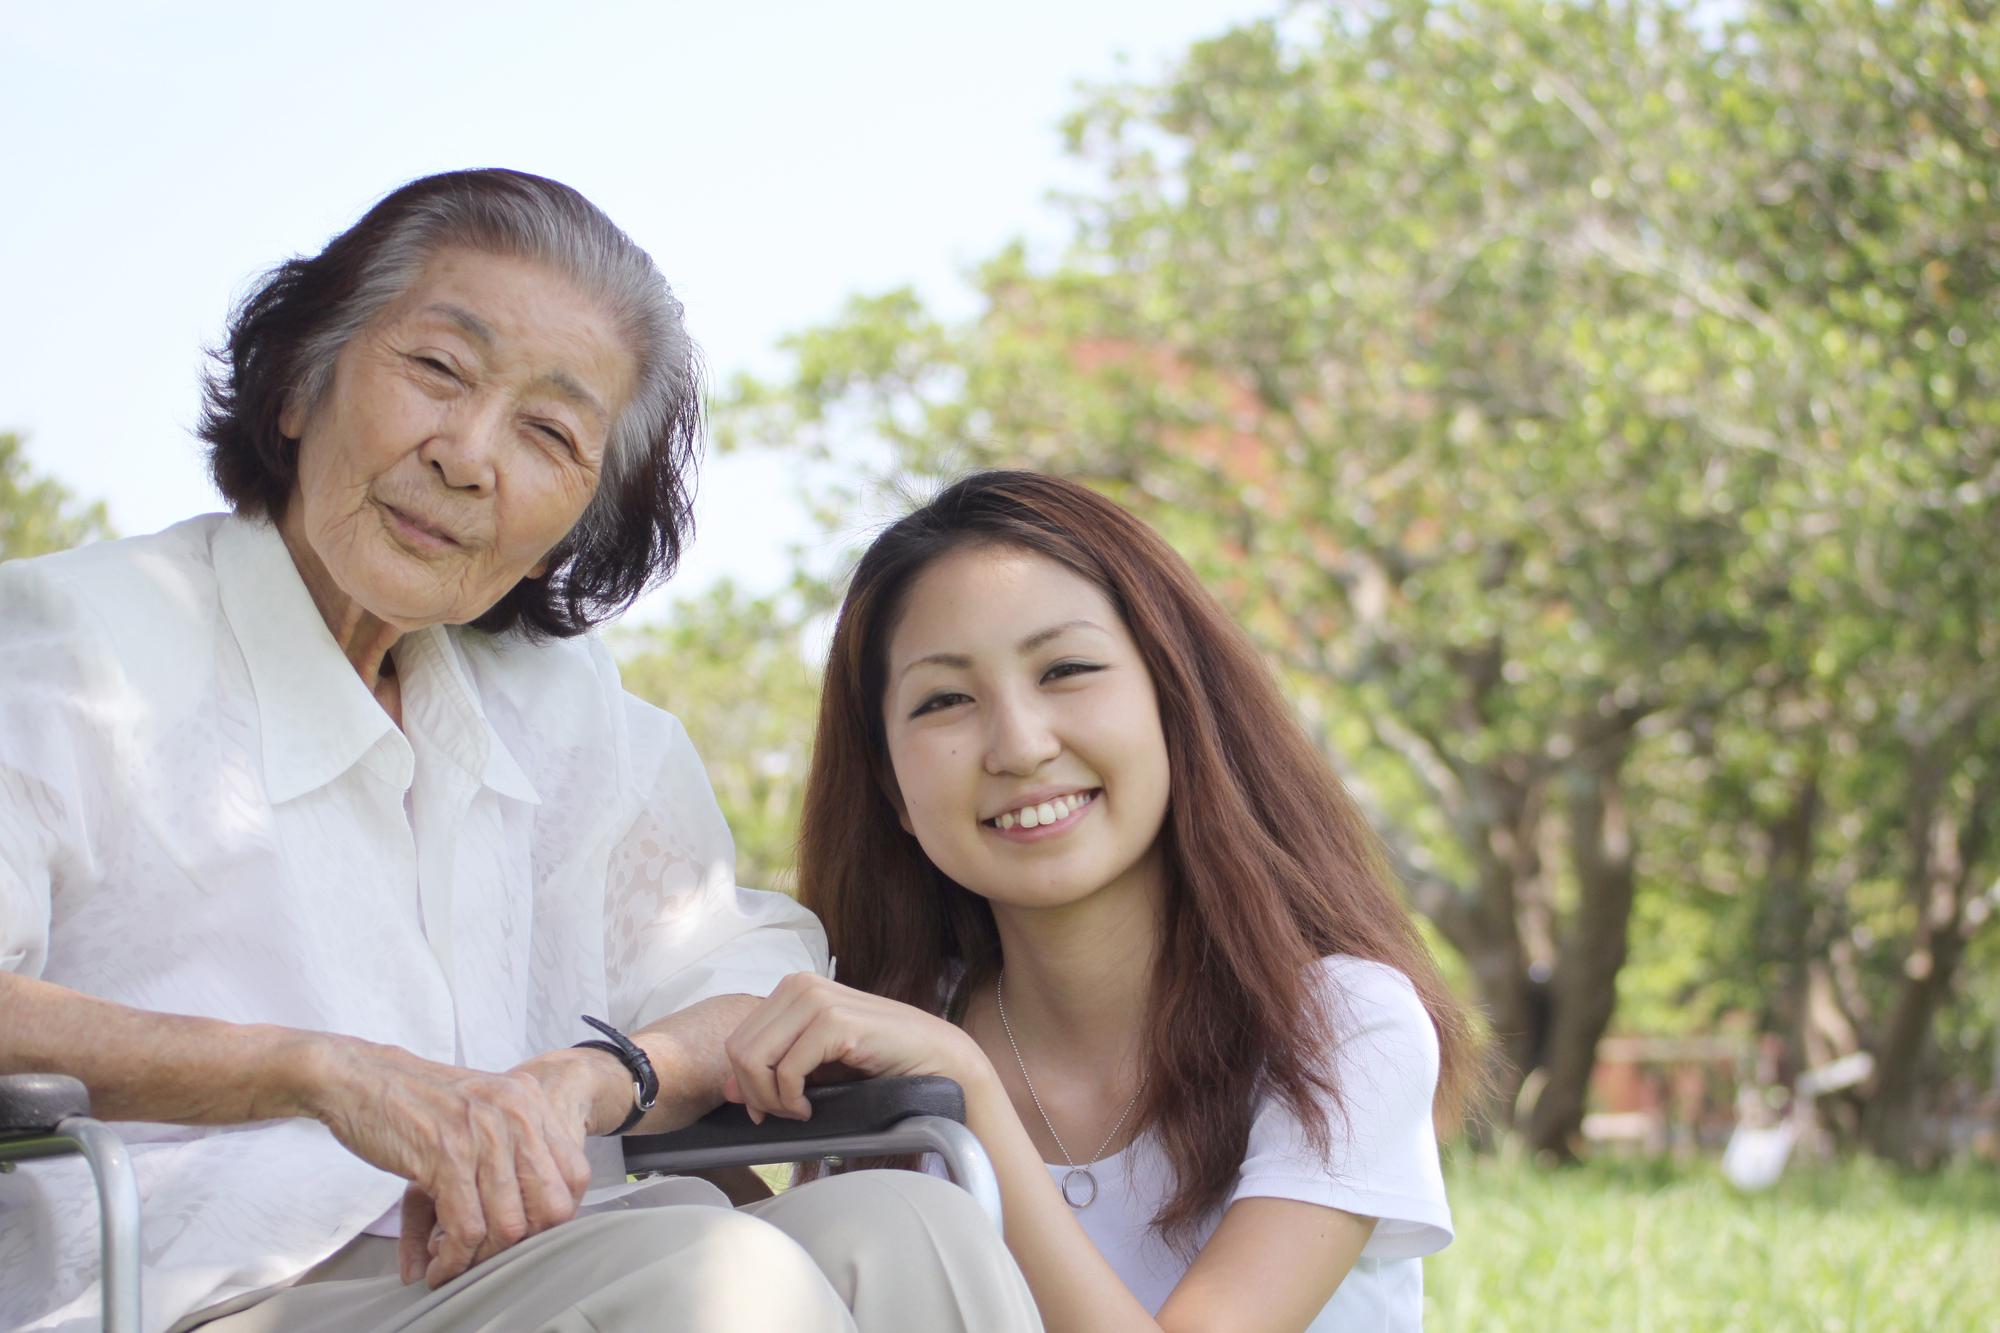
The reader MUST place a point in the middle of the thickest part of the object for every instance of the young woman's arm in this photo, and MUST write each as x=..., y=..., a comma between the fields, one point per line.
x=1280, y=1258
x=1271, y=1265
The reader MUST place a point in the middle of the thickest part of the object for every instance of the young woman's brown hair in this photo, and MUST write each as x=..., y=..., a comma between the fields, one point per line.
x=1270, y=866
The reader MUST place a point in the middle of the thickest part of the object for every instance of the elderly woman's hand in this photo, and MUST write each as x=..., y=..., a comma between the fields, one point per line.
x=492, y=1158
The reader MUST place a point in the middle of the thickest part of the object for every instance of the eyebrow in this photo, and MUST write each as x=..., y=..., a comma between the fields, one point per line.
x=566, y=385
x=482, y=333
x=961, y=662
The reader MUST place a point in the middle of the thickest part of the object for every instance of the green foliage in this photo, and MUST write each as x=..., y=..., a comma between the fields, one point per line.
x=1594, y=412
x=1659, y=1247
x=38, y=515
x=733, y=670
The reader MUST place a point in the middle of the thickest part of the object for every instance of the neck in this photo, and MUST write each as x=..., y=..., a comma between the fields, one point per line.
x=364, y=639
x=1078, y=978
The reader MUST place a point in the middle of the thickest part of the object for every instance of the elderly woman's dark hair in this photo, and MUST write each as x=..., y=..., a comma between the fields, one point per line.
x=286, y=335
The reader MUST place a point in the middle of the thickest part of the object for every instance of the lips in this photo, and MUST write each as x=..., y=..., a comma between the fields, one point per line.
x=422, y=526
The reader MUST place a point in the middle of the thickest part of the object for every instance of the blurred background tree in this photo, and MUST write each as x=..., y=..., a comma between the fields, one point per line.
x=1590, y=409
x=36, y=514
x=732, y=668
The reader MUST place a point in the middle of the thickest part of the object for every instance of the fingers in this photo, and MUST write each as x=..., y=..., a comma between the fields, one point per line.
x=461, y=1231
x=763, y=1039
x=810, y=1027
x=568, y=1167
x=529, y=1174
x=412, y=1247
x=493, y=1158
x=808, y=1024
x=548, y=1195
x=823, y=1042
x=500, y=1204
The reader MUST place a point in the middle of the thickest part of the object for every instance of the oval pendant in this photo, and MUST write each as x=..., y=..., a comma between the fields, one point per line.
x=1079, y=1187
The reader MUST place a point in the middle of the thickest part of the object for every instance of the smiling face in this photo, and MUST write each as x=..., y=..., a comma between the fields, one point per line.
x=461, y=439
x=1024, y=732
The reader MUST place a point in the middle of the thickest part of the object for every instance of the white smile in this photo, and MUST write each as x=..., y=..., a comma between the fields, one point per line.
x=1044, y=812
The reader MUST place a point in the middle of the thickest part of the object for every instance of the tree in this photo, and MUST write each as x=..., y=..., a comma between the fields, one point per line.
x=1513, y=370
x=733, y=670
x=38, y=515
x=1873, y=238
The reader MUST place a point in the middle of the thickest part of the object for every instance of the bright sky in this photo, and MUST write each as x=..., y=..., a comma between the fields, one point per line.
x=773, y=157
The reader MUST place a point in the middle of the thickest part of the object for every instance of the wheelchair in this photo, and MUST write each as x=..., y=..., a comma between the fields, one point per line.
x=48, y=1115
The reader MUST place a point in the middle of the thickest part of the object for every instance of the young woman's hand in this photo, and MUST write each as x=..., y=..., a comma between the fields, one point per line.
x=813, y=1030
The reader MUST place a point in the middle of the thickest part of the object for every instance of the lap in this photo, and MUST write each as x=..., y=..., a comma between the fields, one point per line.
x=715, y=1268
x=885, y=1199
x=905, y=1250
x=795, y=1261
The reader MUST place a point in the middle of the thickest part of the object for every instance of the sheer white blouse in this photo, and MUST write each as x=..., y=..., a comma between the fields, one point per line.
x=204, y=811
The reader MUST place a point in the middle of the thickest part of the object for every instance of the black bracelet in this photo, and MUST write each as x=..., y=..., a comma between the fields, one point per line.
x=645, y=1083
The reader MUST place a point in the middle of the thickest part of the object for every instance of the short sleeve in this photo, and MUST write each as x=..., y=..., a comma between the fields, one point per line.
x=1384, y=1160
x=678, y=928
x=45, y=777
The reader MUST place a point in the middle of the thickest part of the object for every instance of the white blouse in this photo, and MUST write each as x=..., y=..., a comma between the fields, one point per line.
x=204, y=811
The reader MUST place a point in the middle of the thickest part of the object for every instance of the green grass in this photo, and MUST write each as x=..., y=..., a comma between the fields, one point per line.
x=1654, y=1247
x=1651, y=1247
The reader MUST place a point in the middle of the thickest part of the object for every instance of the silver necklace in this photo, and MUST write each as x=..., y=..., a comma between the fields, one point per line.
x=1079, y=1186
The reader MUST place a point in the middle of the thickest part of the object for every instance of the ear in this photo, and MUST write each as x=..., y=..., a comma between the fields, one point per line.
x=291, y=419
x=539, y=568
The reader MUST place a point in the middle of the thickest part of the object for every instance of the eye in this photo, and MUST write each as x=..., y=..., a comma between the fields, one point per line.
x=436, y=367
x=552, y=433
x=1064, y=670
x=935, y=702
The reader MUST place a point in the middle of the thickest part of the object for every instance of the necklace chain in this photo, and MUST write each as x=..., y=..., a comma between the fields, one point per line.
x=1000, y=1003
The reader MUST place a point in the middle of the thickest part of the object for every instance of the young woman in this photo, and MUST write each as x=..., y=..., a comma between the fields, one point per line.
x=1072, y=851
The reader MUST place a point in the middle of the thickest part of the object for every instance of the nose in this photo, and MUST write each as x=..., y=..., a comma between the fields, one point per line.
x=464, y=451
x=1019, y=738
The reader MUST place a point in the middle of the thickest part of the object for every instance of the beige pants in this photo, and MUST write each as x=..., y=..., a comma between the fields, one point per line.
x=875, y=1251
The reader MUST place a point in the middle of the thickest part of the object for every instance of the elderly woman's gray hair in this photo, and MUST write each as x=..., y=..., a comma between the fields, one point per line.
x=286, y=335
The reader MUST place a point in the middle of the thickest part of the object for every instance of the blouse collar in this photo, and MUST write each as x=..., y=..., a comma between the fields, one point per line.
x=316, y=717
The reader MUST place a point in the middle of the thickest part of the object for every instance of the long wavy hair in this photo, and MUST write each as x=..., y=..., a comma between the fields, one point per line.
x=1270, y=866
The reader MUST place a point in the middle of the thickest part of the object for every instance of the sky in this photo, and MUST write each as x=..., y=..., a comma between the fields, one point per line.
x=774, y=158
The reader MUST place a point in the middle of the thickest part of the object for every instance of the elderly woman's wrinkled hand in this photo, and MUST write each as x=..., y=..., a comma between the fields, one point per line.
x=492, y=1158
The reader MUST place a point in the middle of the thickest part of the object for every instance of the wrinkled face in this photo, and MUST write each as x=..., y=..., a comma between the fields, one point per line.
x=1024, y=732
x=462, y=438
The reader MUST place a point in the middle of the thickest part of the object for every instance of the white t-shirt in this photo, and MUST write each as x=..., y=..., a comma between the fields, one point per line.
x=204, y=811
x=1384, y=1164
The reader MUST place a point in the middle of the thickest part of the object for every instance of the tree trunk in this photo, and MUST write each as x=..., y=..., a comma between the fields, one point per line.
x=1547, y=993
x=1889, y=1120
x=1946, y=857
x=1785, y=928
x=1602, y=850
x=1514, y=1019
x=1512, y=980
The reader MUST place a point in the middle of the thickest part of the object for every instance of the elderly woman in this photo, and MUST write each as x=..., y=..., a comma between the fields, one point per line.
x=323, y=821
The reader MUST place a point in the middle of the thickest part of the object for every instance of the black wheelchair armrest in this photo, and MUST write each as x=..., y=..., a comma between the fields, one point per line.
x=869, y=1106
x=37, y=1103
x=877, y=1117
